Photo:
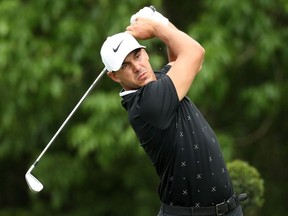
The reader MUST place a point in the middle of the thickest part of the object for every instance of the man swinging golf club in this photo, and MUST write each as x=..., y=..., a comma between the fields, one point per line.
x=180, y=143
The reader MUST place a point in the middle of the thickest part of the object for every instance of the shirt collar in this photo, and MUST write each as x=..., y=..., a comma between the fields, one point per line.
x=123, y=92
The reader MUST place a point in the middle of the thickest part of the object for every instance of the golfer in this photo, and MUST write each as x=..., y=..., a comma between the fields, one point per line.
x=180, y=143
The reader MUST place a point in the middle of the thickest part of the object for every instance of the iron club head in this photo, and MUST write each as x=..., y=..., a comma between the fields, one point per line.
x=34, y=185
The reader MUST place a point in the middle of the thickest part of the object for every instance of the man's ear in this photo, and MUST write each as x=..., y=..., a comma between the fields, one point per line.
x=113, y=76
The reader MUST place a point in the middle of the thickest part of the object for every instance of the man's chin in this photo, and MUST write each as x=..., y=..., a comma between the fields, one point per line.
x=145, y=82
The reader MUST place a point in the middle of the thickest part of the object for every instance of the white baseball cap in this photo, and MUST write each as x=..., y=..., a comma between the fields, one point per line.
x=115, y=49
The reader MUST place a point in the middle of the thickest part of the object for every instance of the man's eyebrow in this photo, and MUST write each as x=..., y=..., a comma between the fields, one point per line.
x=134, y=53
x=137, y=51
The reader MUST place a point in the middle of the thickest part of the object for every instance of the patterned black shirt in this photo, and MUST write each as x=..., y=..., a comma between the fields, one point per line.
x=180, y=143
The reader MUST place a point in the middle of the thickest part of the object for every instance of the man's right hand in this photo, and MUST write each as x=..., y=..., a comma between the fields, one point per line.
x=142, y=28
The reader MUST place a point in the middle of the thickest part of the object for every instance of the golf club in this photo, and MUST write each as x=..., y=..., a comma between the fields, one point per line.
x=33, y=183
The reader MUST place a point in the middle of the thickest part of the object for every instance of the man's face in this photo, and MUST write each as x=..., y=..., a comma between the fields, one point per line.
x=135, y=71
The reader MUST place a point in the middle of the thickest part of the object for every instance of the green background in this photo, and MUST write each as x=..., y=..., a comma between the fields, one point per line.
x=49, y=56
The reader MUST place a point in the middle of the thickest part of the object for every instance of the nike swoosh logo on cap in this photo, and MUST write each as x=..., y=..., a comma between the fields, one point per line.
x=116, y=49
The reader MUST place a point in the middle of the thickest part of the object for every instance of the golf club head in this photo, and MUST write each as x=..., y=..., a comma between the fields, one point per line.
x=33, y=183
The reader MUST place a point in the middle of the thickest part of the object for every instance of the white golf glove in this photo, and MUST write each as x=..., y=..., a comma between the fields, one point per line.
x=150, y=13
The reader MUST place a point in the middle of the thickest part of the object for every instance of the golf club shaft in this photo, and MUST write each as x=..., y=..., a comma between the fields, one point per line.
x=67, y=119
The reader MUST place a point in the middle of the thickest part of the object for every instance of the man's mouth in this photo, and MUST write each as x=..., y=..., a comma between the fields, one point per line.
x=141, y=76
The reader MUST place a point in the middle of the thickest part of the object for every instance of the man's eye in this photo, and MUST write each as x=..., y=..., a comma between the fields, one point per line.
x=123, y=66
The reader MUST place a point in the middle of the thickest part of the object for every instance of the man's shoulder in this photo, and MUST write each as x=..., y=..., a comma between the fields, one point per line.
x=160, y=73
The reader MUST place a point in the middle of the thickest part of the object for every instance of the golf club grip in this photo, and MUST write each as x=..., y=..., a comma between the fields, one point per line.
x=70, y=115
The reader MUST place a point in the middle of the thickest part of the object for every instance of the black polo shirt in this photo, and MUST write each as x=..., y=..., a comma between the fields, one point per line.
x=180, y=143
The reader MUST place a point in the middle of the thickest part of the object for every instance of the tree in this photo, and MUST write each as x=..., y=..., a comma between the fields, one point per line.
x=246, y=178
x=242, y=83
x=49, y=56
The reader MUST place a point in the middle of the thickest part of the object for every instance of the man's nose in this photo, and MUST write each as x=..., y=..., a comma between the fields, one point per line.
x=136, y=67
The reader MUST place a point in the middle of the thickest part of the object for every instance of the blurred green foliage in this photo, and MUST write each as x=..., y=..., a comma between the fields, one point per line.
x=49, y=56
x=247, y=179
